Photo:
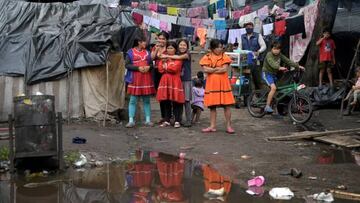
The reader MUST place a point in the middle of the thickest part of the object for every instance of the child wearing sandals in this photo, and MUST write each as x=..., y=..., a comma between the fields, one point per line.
x=217, y=89
x=197, y=103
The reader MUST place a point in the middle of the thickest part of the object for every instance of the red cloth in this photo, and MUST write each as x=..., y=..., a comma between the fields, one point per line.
x=173, y=194
x=142, y=83
x=171, y=172
x=170, y=86
x=280, y=27
x=327, y=46
x=137, y=17
x=142, y=174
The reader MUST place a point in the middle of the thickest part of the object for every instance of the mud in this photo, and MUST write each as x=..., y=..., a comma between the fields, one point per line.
x=146, y=176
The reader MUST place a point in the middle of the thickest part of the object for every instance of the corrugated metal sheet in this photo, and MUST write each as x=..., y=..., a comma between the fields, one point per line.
x=67, y=92
x=348, y=21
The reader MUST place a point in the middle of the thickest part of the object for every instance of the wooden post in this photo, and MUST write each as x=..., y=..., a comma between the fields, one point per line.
x=107, y=90
x=325, y=20
x=60, y=141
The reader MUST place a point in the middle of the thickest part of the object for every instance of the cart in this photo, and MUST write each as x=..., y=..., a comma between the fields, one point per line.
x=240, y=77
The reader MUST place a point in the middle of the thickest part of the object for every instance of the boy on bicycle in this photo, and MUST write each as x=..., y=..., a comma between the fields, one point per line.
x=272, y=65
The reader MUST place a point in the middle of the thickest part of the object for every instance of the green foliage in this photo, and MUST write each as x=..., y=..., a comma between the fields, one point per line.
x=71, y=156
x=4, y=153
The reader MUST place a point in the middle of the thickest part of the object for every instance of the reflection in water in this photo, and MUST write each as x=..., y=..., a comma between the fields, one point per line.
x=148, y=177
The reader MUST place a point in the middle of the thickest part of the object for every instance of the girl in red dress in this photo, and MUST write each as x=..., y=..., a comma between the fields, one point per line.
x=170, y=92
x=138, y=61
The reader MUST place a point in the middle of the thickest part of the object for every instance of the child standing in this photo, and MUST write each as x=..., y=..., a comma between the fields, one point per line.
x=197, y=100
x=185, y=56
x=138, y=61
x=170, y=91
x=327, y=57
x=218, y=89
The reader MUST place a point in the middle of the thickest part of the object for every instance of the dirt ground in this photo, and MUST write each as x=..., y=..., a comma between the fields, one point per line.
x=224, y=151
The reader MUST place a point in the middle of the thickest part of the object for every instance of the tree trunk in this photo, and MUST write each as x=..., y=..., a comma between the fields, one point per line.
x=325, y=20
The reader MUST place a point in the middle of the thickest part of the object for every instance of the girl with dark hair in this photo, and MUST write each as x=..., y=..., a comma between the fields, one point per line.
x=218, y=89
x=184, y=55
x=138, y=63
x=158, y=50
x=170, y=91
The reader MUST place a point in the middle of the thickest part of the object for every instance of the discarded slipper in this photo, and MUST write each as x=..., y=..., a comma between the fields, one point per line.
x=230, y=131
x=78, y=140
x=208, y=130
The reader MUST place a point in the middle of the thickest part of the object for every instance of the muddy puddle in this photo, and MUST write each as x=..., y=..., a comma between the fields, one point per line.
x=338, y=156
x=146, y=177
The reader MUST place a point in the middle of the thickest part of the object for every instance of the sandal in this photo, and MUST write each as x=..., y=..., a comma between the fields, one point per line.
x=208, y=130
x=177, y=125
x=165, y=124
x=230, y=131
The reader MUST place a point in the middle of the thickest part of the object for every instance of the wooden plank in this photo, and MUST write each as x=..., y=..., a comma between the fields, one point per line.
x=311, y=134
x=345, y=195
x=350, y=141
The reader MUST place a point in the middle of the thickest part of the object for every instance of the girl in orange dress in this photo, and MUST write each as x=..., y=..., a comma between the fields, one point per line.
x=218, y=89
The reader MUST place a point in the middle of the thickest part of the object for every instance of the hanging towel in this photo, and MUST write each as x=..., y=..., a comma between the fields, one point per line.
x=153, y=7
x=182, y=12
x=247, y=18
x=220, y=4
x=146, y=20
x=220, y=24
x=138, y=18
x=223, y=13
x=187, y=31
x=235, y=35
x=208, y=22
x=172, y=11
x=164, y=26
x=201, y=34
x=238, y=3
x=184, y=21
x=221, y=34
x=280, y=28
x=267, y=29
x=211, y=10
x=155, y=23
x=263, y=12
x=162, y=9
x=175, y=31
x=295, y=25
x=298, y=45
x=196, y=22
x=211, y=33
x=257, y=25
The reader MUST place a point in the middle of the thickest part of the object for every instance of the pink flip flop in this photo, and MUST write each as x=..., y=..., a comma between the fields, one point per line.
x=230, y=131
x=208, y=130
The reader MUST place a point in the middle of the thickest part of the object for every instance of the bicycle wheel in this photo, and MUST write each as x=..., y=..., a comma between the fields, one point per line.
x=300, y=108
x=256, y=103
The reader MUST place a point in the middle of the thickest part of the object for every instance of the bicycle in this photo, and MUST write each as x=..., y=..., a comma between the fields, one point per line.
x=299, y=106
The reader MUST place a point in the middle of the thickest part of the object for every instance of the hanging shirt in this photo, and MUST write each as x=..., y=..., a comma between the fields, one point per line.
x=172, y=11
x=211, y=33
x=267, y=29
x=295, y=25
x=221, y=34
x=152, y=7
x=184, y=21
x=186, y=31
x=155, y=23
x=220, y=24
x=175, y=31
x=326, y=49
x=162, y=9
x=182, y=12
x=263, y=12
x=235, y=35
x=201, y=33
x=196, y=22
x=223, y=13
x=211, y=10
x=220, y=4
x=237, y=3
x=146, y=20
x=280, y=28
x=138, y=18
x=164, y=26
x=247, y=18
x=208, y=22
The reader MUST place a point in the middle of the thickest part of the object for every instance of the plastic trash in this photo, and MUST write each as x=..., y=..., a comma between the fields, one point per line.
x=257, y=181
x=258, y=191
x=81, y=162
x=326, y=197
x=282, y=193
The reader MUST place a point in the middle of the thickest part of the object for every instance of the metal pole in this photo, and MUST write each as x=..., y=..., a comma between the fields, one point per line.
x=60, y=140
x=11, y=143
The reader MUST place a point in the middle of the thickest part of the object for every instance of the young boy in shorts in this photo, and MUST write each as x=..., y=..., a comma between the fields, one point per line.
x=272, y=65
x=327, y=57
